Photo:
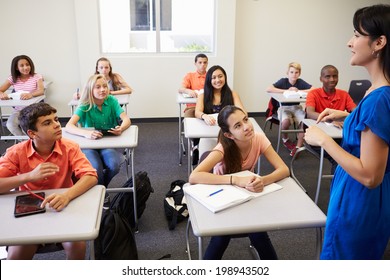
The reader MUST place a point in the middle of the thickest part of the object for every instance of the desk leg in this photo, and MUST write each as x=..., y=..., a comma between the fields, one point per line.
x=91, y=250
x=280, y=127
x=318, y=242
x=200, y=248
x=134, y=191
x=1, y=120
x=188, y=238
x=319, y=176
x=180, y=143
x=189, y=156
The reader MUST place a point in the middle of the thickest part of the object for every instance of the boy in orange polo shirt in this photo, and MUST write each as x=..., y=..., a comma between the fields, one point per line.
x=193, y=82
x=46, y=161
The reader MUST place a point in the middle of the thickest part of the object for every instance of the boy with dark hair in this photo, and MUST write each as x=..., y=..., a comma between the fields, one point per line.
x=46, y=161
x=193, y=82
x=327, y=96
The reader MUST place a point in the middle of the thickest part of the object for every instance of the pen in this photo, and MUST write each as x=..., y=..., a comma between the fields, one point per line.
x=211, y=194
x=34, y=194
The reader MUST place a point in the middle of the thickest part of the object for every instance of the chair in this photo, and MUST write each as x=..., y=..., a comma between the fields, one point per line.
x=357, y=89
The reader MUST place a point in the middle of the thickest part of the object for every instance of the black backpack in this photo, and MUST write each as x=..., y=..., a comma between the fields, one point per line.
x=123, y=202
x=116, y=238
x=175, y=206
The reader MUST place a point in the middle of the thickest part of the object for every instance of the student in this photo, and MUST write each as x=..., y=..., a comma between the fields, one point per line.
x=293, y=113
x=193, y=82
x=357, y=225
x=238, y=149
x=99, y=111
x=46, y=161
x=23, y=78
x=217, y=94
x=115, y=81
x=328, y=96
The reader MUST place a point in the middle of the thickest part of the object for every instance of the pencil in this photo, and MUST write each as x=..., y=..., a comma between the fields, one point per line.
x=34, y=194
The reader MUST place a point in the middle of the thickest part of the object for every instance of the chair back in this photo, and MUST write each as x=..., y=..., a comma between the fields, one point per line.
x=357, y=89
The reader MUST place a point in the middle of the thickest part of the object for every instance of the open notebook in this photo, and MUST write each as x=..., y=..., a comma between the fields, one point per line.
x=219, y=197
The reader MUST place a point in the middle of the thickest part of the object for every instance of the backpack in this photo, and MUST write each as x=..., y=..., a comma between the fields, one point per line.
x=116, y=238
x=272, y=109
x=123, y=202
x=175, y=205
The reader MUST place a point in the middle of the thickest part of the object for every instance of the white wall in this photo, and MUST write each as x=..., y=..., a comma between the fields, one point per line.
x=255, y=42
x=271, y=34
x=45, y=30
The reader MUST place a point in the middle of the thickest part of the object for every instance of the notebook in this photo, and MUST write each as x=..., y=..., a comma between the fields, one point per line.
x=219, y=197
x=294, y=94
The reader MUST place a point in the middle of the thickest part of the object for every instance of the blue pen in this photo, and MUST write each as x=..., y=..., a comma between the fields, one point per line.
x=211, y=194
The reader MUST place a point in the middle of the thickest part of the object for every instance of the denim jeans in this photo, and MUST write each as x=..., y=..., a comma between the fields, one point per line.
x=106, y=162
x=259, y=240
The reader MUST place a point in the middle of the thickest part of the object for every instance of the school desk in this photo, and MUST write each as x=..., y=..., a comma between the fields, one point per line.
x=128, y=140
x=288, y=208
x=80, y=220
x=180, y=99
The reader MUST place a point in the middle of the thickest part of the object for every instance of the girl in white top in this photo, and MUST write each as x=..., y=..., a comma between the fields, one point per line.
x=24, y=80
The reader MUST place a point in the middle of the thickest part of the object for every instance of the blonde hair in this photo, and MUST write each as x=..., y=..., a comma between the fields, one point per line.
x=86, y=97
x=295, y=65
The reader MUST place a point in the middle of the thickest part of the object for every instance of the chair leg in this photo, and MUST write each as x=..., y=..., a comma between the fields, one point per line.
x=254, y=252
x=292, y=167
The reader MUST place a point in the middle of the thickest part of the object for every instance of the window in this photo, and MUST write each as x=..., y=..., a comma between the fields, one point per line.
x=157, y=26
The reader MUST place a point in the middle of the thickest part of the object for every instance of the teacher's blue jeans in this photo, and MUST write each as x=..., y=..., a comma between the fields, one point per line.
x=259, y=240
x=106, y=162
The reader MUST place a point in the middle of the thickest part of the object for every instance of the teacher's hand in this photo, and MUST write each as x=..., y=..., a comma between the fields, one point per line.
x=315, y=136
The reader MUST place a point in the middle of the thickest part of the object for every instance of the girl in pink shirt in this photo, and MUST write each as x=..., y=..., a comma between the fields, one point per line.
x=238, y=149
x=25, y=81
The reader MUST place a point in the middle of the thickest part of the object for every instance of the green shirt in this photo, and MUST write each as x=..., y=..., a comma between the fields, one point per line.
x=107, y=118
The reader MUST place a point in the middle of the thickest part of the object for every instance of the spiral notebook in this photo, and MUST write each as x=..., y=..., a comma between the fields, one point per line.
x=219, y=197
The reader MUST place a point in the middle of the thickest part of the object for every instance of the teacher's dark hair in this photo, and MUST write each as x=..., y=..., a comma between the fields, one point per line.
x=374, y=21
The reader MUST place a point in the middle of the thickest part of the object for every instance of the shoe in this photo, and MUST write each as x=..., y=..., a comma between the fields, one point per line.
x=195, y=157
x=294, y=151
x=289, y=145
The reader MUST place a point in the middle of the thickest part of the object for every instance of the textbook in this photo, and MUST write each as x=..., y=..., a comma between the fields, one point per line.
x=294, y=94
x=219, y=197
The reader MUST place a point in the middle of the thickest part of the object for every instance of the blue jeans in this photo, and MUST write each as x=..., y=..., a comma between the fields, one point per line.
x=106, y=162
x=259, y=240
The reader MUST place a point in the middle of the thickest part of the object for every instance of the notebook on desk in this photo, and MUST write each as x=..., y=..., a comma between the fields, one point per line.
x=294, y=94
x=219, y=197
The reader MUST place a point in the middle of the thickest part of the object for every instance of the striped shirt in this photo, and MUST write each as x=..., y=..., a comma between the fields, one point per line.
x=30, y=85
